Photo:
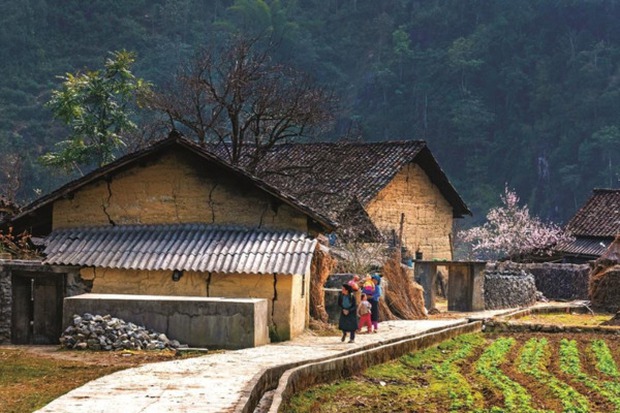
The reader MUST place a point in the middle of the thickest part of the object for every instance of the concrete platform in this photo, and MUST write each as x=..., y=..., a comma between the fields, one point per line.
x=222, y=382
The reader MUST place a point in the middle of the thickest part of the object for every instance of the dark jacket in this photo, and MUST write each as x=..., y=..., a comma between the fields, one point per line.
x=347, y=322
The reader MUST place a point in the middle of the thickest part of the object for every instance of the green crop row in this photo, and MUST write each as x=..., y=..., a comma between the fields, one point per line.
x=570, y=363
x=533, y=360
x=448, y=371
x=605, y=361
x=516, y=398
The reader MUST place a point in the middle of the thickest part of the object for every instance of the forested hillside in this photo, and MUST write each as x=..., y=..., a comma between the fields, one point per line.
x=520, y=92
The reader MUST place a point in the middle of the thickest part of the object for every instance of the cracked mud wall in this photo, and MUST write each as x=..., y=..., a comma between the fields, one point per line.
x=175, y=188
x=428, y=215
x=286, y=314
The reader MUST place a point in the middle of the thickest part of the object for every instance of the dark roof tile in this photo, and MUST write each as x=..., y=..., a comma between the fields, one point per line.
x=599, y=217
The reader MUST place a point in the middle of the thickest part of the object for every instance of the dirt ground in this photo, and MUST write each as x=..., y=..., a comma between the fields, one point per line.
x=100, y=358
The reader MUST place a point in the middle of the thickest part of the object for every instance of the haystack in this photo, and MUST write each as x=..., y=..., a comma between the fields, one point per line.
x=614, y=321
x=604, y=288
x=403, y=296
x=320, y=268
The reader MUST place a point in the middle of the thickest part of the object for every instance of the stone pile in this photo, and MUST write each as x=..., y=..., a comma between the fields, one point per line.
x=96, y=332
x=508, y=288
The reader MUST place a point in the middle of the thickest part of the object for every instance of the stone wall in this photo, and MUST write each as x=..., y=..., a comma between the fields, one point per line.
x=508, y=288
x=175, y=189
x=6, y=297
x=196, y=321
x=561, y=281
x=428, y=215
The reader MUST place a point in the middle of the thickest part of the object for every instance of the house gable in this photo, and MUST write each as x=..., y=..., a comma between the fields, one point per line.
x=174, y=187
x=37, y=217
x=428, y=215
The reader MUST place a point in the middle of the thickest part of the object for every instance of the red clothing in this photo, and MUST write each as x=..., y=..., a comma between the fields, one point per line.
x=365, y=321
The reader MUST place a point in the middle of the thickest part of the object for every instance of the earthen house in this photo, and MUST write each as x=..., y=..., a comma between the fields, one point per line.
x=367, y=187
x=174, y=219
x=594, y=226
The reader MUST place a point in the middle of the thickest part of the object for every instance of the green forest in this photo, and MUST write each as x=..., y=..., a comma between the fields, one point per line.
x=521, y=93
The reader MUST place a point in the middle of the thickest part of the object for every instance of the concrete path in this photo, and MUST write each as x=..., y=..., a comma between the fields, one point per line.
x=216, y=383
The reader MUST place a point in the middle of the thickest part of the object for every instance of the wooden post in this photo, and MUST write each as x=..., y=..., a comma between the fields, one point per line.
x=400, y=238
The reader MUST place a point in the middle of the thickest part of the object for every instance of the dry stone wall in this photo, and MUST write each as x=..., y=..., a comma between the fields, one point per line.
x=5, y=304
x=508, y=288
x=561, y=281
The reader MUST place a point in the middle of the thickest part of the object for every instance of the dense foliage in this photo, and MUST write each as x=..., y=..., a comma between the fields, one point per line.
x=524, y=92
x=96, y=106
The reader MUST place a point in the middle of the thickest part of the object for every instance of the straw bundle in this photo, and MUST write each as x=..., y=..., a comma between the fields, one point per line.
x=320, y=268
x=604, y=285
x=403, y=296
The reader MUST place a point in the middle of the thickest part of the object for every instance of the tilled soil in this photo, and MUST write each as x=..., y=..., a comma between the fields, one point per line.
x=395, y=396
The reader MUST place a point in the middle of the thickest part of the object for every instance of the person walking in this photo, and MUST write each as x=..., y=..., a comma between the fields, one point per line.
x=363, y=312
x=374, y=302
x=348, y=313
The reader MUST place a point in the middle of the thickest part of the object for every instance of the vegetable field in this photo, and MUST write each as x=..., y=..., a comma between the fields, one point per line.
x=484, y=373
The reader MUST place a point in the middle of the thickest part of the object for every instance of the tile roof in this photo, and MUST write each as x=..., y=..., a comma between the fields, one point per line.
x=599, y=217
x=188, y=247
x=328, y=176
x=585, y=246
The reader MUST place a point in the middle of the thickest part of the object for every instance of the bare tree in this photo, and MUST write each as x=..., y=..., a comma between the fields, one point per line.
x=239, y=97
x=11, y=166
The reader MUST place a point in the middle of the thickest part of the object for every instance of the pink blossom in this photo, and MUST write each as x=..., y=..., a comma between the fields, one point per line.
x=511, y=232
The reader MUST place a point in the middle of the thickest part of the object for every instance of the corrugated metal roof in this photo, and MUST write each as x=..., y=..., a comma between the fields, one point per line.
x=188, y=247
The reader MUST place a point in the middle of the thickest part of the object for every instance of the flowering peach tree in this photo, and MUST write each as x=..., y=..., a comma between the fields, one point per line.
x=511, y=232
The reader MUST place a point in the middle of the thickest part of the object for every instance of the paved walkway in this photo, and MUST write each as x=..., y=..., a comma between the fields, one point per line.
x=215, y=383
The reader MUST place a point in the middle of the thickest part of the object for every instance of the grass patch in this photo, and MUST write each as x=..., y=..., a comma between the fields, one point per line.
x=30, y=378
x=28, y=382
x=566, y=319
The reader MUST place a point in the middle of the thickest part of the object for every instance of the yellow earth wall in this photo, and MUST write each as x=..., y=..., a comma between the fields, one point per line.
x=287, y=314
x=428, y=215
x=176, y=188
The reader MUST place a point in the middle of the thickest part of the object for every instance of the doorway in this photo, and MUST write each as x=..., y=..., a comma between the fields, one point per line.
x=37, y=307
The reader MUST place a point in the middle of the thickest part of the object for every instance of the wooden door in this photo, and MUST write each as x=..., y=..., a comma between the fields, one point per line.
x=21, y=311
x=37, y=308
x=459, y=288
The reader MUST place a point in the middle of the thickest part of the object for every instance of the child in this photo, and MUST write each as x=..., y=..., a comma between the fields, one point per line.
x=363, y=312
x=368, y=287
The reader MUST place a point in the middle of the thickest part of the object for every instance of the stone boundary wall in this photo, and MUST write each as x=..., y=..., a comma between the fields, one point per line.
x=557, y=281
x=322, y=371
x=196, y=321
x=508, y=289
x=561, y=281
x=6, y=303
